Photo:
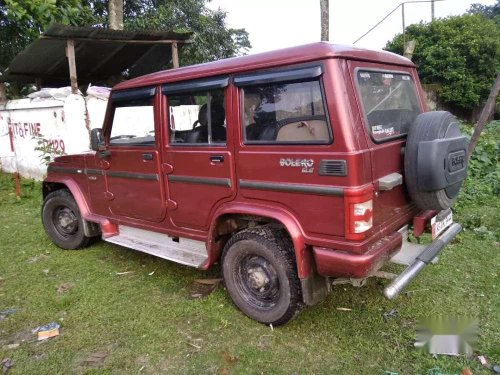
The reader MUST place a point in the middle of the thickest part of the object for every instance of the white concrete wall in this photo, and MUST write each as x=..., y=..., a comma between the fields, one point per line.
x=65, y=123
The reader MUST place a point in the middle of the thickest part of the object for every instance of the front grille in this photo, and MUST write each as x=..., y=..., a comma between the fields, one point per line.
x=333, y=168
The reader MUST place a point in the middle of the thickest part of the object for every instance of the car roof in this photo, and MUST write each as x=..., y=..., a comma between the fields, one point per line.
x=292, y=55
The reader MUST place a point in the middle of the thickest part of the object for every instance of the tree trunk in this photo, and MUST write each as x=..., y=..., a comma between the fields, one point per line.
x=488, y=109
x=325, y=20
x=115, y=11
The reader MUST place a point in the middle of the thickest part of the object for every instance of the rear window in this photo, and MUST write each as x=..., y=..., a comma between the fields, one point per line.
x=390, y=103
x=284, y=113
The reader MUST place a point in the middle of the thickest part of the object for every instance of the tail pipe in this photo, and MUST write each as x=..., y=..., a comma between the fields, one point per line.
x=404, y=278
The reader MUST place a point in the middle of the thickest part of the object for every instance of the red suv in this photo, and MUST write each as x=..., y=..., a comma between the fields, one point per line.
x=289, y=168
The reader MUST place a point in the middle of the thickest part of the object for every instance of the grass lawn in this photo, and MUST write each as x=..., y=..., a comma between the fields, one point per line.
x=145, y=322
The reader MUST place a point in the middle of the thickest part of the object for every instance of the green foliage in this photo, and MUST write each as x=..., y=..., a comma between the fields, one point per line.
x=21, y=21
x=212, y=40
x=487, y=11
x=46, y=149
x=482, y=187
x=461, y=54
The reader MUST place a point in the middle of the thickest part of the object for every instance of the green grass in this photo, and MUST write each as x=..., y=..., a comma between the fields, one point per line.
x=147, y=323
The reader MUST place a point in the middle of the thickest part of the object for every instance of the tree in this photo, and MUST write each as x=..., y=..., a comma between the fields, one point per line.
x=461, y=54
x=21, y=21
x=487, y=11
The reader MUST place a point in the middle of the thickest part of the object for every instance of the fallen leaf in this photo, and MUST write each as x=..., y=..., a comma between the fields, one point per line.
x=343, y=309
x=124, y=273
x=63, y=288
x=466, y=371
x=199, y=290
x=208, y=281
x=229, y=359
x=94, y=360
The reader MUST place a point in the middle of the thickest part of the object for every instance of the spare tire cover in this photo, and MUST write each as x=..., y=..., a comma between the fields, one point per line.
x=435, y=160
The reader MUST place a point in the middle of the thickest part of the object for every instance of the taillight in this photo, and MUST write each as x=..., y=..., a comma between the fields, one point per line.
x=358, y=213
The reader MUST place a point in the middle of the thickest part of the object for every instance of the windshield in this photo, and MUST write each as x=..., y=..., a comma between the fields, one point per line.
x=389, y=101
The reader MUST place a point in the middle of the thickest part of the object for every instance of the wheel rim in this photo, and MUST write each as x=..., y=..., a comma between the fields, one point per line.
x=65, y=221
x=258, y=282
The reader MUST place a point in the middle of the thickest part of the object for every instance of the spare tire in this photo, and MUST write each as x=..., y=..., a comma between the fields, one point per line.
x=435, y=160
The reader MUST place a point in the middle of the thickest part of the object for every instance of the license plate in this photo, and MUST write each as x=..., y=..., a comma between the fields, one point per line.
x=440, y=222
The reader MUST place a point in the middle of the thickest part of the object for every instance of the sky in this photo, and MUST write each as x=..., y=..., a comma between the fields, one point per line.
x=275, y=24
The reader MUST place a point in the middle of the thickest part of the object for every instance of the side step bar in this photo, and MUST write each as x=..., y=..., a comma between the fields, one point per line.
x=425, y=257
x=181, y=250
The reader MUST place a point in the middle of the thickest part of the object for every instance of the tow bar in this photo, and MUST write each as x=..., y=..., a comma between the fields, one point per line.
x=425, y=257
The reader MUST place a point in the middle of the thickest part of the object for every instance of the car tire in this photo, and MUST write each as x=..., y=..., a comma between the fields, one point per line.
x=430, y=126
x=63, y=222
x=260, y=274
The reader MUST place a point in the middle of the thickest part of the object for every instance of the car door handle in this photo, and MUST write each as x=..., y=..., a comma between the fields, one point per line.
x=147, y=156
x=216, y=158
x=103, y=154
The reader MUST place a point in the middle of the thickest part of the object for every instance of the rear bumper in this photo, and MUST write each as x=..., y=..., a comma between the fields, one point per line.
x=332, y=263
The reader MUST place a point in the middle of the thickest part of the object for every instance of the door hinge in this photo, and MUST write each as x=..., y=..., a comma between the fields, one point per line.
x=171, y=205
x=109, y=196
x=167, y=168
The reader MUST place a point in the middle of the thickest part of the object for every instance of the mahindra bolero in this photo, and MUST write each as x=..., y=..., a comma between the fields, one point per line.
x=291, y=169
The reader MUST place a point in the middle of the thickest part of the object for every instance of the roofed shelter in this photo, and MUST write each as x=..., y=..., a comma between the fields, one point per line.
x=84, y=55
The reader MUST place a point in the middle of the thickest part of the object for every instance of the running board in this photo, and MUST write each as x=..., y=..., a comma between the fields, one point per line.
x=181, y=250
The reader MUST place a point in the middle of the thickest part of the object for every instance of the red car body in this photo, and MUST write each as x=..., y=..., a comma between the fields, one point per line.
x=126, y=189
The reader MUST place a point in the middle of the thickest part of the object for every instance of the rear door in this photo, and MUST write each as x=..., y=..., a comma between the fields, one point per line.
x=198, y=152
x=389, y=101
x=133, y=186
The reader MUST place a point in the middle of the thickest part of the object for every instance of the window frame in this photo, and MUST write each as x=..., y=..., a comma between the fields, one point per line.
x=274, y=76
x=193, y=87
x=127, y=96
x=362, y=107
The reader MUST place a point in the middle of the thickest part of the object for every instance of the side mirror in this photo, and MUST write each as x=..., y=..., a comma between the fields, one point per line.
x=96, y=139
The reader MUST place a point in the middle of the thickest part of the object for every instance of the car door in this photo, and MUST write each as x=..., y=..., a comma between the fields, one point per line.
x=199, y=161
x=133, y=186
x=389, y=100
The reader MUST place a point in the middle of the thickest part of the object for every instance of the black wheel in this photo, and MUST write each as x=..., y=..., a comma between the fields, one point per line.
x=435, y=160
x=62, y=221
x=260, y=274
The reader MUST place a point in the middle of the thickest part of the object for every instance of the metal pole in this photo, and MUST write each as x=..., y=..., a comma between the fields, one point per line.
x=325, y=20
x=404, y=28
x=432, y=10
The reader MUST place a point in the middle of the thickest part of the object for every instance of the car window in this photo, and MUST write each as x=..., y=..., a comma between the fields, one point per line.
x=197, y=118
x=283, y=113
x=133, y=123
x=390, y=103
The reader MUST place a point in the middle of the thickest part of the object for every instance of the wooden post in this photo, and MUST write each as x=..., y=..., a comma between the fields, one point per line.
x=70, y=54
x=175, y=55
x=409, y=49
x=325, y=20
x=488, y=108
x=3, y=93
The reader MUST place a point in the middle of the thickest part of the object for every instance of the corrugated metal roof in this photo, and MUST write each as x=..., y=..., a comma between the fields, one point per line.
x=100, y=54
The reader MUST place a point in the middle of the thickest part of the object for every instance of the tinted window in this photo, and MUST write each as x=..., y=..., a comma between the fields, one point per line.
x=197, y=118
x=285, y=113
x=133, y=122
x=389, y=101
